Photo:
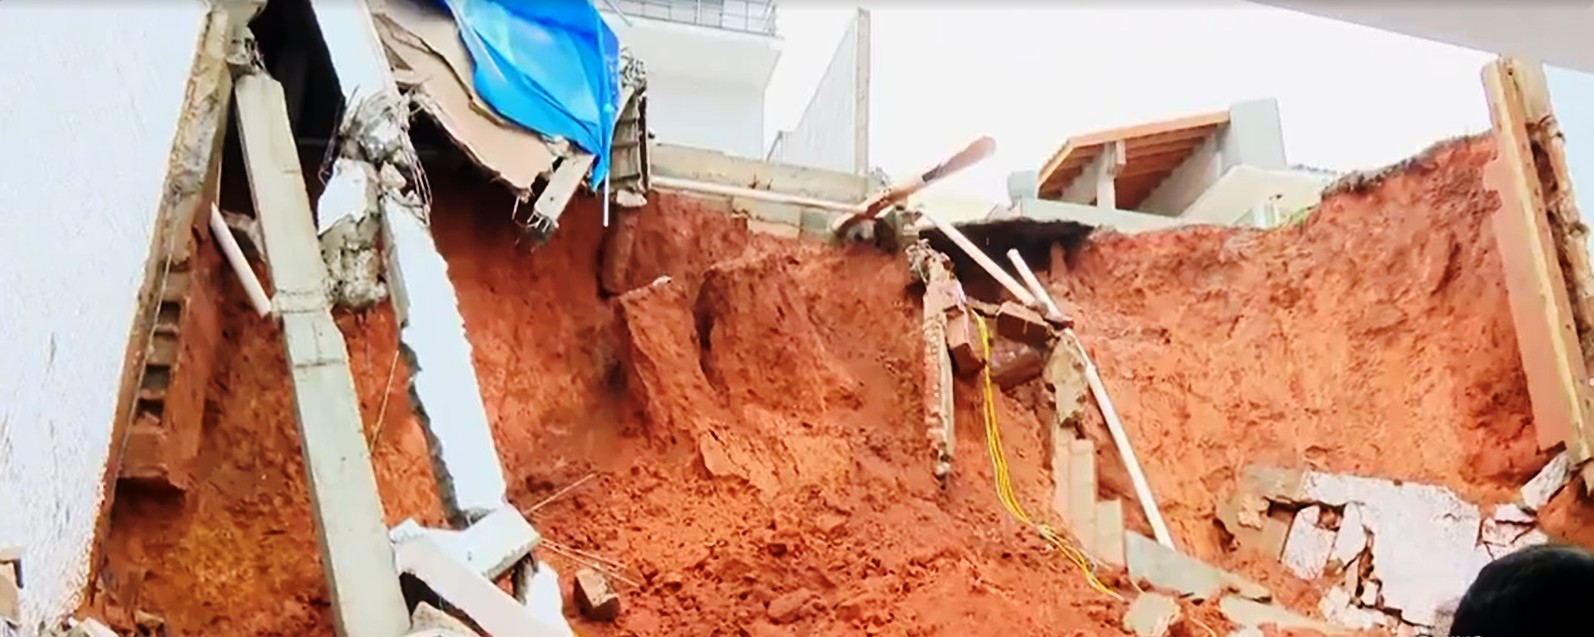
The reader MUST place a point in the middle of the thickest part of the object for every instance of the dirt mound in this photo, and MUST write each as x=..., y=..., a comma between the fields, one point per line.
x=749, y=409
x=1374, y=338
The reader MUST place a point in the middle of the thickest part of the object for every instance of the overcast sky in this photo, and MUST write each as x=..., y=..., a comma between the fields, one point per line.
x=1031, y=75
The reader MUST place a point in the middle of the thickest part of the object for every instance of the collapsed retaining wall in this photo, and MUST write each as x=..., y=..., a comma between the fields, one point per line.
x=750, y=407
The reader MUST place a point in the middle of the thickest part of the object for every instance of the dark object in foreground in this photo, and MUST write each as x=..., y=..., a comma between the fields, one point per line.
x=1538, y=591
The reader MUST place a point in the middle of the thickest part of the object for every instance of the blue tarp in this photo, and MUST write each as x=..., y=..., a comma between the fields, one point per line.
x=552, y=66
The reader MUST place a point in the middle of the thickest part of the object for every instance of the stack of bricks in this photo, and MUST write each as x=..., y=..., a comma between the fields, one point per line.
x=164, y=435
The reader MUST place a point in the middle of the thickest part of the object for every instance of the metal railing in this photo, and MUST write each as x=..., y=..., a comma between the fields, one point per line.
x=747, y=16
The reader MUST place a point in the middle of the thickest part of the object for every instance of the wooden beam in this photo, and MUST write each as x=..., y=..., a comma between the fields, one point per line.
x=355, y=553
x=1077, y=144
x=1552, y=359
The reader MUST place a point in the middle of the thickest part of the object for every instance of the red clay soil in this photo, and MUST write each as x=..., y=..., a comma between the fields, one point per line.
x=1372, y=339
x=754, y=424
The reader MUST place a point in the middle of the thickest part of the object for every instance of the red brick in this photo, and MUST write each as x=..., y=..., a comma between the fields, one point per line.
x=1022, y=324
x=1015, y=363
x=967, y=354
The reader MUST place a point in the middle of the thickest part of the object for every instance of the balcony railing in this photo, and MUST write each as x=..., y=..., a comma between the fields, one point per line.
x=747, y=16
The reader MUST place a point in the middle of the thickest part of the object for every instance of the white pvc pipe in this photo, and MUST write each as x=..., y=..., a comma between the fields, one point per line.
x=240, y=265
x=1034, y=283
x=672, y=183
x=985, y=262
x=1137, y=477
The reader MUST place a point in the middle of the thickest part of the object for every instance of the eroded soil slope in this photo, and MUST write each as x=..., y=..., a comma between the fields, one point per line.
x=753, y=424
x=1374, y=338
x=750, y=410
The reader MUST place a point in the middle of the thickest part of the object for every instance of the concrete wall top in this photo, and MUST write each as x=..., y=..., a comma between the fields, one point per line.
x=88, y=133
x=681, y=162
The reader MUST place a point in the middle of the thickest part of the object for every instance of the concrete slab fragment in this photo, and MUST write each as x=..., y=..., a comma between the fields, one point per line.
x=1151, y=615
x=1538, y=491
x=443, y=386
x=1352, y=539
x=1245, y=612
x=475, y=596
x=1082, y=492
x=1308, y=546
x=1244, y=515
x=1424, y=539
x=1062, y=454
x=1110, y=531
x=1338, y=607
x=1164, y=568
x=491, y=546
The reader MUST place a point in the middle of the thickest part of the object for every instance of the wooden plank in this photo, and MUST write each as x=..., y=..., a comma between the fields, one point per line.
x=1551, y=358
x=1110, y=531
x=1082, y=492
x=355, y=554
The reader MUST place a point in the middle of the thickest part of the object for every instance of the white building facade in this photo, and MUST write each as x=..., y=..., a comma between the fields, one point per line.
x=708, y=62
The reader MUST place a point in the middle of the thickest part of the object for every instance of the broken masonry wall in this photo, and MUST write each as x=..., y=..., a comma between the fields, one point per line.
x=1374, y=338
x=82, y=189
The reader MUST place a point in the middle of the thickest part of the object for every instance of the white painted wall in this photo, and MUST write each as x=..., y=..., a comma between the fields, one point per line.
x=89, y=103
x=833, y=132
x=707, y=114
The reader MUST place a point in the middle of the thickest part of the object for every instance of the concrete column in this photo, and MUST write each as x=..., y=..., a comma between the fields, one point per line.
x=444, y=391
x=1254, y=136
x=355, y=553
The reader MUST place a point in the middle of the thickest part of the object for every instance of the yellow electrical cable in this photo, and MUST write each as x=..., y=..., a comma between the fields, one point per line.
x=1004, y=483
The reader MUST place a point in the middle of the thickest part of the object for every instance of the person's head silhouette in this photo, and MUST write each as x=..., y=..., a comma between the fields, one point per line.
x=1539, y=590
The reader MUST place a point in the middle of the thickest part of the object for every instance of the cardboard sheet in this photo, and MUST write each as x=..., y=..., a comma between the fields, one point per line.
x=429, y=58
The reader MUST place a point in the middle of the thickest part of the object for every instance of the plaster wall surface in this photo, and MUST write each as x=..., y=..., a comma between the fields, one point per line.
x=87, y=131
x=713, y=115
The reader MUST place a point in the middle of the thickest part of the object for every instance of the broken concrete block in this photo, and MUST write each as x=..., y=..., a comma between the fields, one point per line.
x=594, y=598
x=1308, y=546
x=1062, y=452
x=1014, y=364
x=1339, y=609
x=968, y=356
x=1151, y=615
x=1352, y=540
x=475, y=596
x=429, y=621
x=1538, y=491
x=1022, y=324
x=90, y=628
x=1245, y=516
x=1165, y=568
x=1082, y=492
x=1110, y=531
x=490, y=546
x=1245, y=612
